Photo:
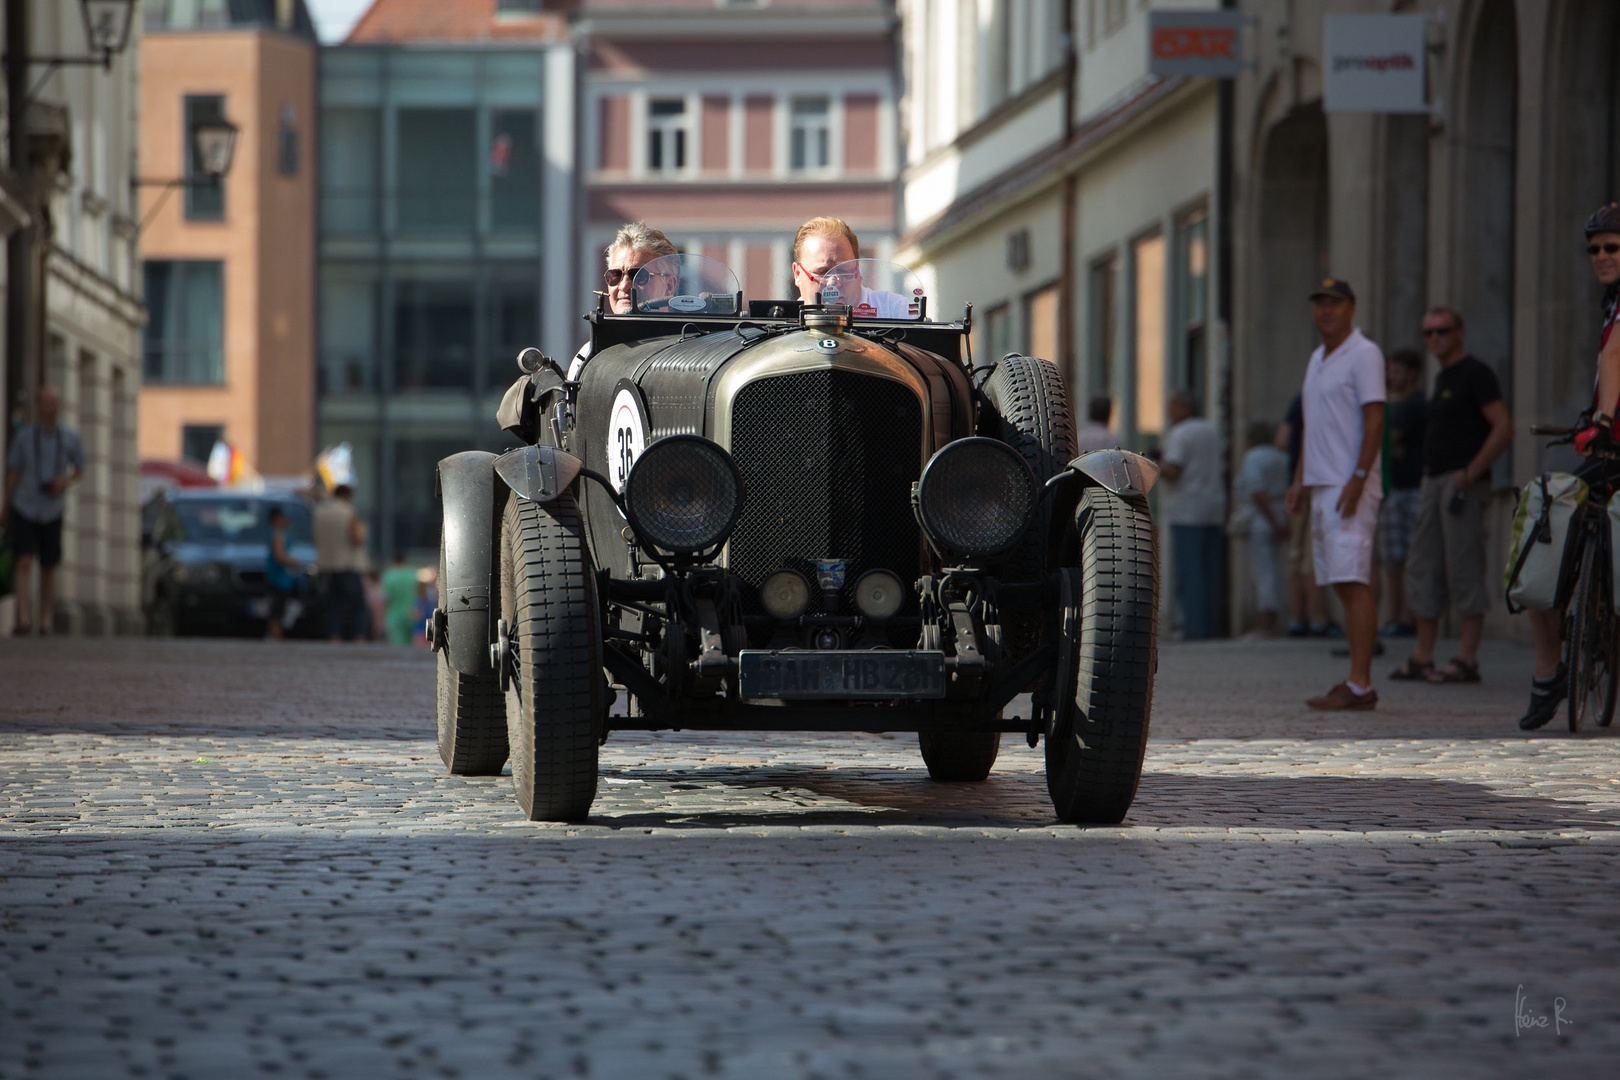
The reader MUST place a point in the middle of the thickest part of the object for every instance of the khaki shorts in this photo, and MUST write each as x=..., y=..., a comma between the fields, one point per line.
x=1299, y=541
x=1447, y=556
x=1342, y=547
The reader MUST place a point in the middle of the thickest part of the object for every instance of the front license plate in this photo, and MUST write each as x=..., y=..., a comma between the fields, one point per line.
x=851, y=674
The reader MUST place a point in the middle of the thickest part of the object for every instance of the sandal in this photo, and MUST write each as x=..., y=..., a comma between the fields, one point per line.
x=1414, y=670
x=1457, y=670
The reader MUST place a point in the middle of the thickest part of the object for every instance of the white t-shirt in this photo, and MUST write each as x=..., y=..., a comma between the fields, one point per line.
x=885, y=305
x=1336, y=387
x=1196, y=496
x=1094, y=436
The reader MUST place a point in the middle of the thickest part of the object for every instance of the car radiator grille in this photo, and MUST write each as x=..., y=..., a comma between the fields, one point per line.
x=828, y=458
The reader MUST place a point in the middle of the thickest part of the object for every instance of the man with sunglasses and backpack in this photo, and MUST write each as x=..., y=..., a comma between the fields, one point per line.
x=1549, y=684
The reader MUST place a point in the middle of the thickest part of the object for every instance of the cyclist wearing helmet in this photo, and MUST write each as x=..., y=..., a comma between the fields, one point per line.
x=1549, y=684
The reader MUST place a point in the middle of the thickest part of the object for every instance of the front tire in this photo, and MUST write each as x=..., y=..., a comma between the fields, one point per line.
x=1094, y=753
x=1029, y=411
x=555, y=708
x=959, y=756
x=472, y=715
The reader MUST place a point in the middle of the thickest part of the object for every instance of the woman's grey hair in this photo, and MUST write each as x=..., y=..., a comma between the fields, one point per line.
x=639, y=236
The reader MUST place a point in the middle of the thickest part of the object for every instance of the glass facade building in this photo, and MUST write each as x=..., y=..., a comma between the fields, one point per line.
x=431, y=240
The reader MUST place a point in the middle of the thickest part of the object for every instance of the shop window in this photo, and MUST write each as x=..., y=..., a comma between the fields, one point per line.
x=349, y=172
x=185, y=326
x=433, y=335
x=810, y=146
x=1192, y=293
x=1102, y=324
x=436, y=170
x=514, y=171
x=666, y=135
x=1041, y=323
x=197, y=441
x=1147, y=302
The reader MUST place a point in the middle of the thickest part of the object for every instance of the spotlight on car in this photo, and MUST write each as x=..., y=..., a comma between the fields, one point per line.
x=975, y=499
x=879, y=594
x=683, y=494
x=785, y=594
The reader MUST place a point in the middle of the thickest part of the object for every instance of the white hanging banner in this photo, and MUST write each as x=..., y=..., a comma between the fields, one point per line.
x=1373, y=63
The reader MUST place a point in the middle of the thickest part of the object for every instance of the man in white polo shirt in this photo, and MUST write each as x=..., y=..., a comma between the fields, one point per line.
x=1343, y=403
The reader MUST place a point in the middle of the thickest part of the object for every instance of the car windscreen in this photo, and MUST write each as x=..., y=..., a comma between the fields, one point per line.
x=686, y=285
x=239, y=521
x=875, y=289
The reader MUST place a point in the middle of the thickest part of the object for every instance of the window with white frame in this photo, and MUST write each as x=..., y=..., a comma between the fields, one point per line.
x=666, y=135
x=810, y=148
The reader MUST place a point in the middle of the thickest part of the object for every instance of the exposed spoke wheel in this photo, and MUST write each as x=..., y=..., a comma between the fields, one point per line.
x=1592, y=667
x=1094, y=753
x=472, y=716
x=555, y=705
x=1030, y=413
x=959, y=756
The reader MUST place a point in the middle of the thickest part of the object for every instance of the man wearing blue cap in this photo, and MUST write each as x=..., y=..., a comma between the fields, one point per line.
x=1343, y=404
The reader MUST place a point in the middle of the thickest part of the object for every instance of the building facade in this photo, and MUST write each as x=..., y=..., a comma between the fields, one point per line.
x=69, y=213
x=1070, y=196
x=447, y=239
x=1477, y=204
x=729, y=125
x=229, y=266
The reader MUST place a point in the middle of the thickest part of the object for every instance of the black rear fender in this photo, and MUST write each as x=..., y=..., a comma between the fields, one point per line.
x=467, y=490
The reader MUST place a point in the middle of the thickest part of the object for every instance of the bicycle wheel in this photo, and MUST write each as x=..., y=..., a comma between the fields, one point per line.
x=1592, y=661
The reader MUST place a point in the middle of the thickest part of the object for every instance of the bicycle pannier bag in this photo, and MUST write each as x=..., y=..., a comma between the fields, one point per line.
x=1535, y=568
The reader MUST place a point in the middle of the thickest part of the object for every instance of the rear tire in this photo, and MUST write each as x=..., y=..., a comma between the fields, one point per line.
x=472, y=714
x=555, y=707
x=1592, y=669
x=1094, y=754
x=1030, y=413
x=959, y=756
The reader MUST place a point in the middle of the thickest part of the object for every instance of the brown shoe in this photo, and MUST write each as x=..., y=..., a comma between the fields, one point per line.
x=1341, y=697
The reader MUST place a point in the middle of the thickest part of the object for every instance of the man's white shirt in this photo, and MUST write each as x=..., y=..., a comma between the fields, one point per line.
x=1337, y=385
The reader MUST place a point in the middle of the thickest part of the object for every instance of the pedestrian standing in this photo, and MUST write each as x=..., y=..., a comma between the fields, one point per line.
x=1095, y=434
x=1258, y=492
x=399, y=588
x=340, y=554
x=1195, y=509
x=1403, y=418
x=1307, y=605
x=1467, y=429
x=45, y=460
x=284, y=575
x=1343, y=406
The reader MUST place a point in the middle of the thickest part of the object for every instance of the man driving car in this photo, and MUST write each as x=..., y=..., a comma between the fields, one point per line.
x=826, y=242
x=635, y=245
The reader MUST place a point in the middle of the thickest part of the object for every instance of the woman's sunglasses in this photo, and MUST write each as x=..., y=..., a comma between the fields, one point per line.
x=1607, y=249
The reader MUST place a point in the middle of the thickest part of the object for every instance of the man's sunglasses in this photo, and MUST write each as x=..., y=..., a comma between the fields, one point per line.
x=1437, y=331
x=615, y=275
x=1607, y=249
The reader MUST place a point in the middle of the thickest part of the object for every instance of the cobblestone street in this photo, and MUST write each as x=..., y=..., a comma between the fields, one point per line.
x=232, y=859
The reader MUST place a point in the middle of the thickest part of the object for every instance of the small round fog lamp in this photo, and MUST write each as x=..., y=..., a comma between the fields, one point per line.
x=879, y=594
x=785, y=594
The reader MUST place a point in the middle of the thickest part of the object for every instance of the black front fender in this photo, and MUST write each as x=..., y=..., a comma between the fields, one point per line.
x=1120, y=471
x=467, y=491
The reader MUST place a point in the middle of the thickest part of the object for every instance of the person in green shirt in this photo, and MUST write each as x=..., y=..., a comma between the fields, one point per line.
x=399, y=591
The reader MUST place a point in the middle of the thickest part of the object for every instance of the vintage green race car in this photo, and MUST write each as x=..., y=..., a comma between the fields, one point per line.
x=779, y=516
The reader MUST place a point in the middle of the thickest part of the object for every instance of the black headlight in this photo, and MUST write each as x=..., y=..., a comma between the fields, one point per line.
x=975, y=498
x=683, y=494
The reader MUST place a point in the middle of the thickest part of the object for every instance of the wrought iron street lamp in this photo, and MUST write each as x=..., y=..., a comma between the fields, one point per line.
x=213, y=149
x=106, y=26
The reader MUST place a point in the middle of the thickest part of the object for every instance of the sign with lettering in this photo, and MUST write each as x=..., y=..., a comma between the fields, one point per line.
x=1373, y=63
x=1207, y=44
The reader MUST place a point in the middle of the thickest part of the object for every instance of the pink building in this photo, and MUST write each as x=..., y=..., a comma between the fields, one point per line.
x=727, y=125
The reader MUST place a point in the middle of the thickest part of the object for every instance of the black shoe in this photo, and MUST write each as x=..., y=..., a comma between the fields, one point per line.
x=1545, y=696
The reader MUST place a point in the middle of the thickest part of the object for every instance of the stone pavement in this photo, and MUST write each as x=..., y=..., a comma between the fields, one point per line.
x=231, y=859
